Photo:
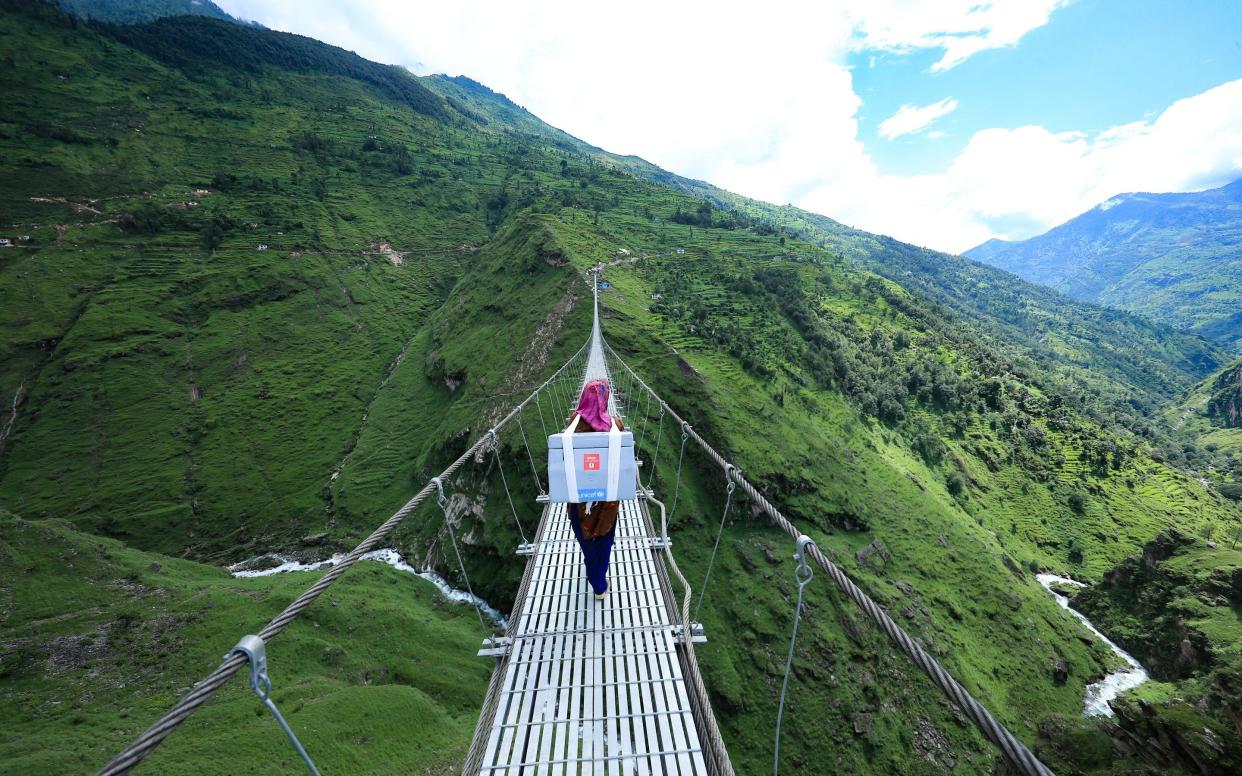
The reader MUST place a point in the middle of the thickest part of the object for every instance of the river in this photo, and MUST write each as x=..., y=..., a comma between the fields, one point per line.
x=389, y=556
x=1101, y=692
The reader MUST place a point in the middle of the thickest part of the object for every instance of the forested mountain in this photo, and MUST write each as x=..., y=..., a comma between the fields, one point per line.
x=260, y=289
x=133, y=11
x=1176, y=258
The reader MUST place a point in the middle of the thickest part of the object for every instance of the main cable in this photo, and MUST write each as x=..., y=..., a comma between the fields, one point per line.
x=1014, y=750
x=146, y=742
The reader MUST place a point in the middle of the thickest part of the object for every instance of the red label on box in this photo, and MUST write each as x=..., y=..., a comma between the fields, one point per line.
x=590, y=462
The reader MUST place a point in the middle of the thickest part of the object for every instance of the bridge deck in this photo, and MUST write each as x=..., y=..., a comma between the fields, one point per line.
x=593, y=687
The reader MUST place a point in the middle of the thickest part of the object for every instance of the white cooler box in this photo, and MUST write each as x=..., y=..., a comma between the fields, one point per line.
x=593, y=466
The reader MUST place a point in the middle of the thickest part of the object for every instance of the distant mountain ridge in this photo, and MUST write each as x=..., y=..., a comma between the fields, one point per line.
x=138, y=11
x=1176, y=258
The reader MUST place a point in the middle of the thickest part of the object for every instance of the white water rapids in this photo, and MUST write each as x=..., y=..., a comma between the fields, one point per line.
x=389, y=556
x=1101, y=692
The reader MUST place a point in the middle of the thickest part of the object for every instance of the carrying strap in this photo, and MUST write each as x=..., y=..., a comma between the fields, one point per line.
x=614, y=462
x=567, y=452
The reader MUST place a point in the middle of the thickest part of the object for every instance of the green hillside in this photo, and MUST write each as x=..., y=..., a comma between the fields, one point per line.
x=1107, y=355
x=1205, y=419
x=133, y=11
x=269, y=288
x=100, y=638
x=1172, y=257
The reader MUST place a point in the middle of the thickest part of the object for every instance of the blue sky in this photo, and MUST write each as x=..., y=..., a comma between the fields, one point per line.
x=1096, y=64
x=939, y=122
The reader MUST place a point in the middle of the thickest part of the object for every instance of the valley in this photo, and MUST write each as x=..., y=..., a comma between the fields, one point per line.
x=1171, y=257
x=270, y=288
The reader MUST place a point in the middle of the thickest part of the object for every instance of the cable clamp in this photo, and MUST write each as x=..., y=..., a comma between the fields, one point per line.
x=440, y=498
x=803, y=572
x=256, y=652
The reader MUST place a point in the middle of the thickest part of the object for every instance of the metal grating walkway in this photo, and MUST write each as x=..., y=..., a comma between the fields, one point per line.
x=593, y=687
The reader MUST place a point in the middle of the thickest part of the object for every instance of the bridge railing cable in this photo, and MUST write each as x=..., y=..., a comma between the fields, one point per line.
x=151, y=738
x=1014, y=750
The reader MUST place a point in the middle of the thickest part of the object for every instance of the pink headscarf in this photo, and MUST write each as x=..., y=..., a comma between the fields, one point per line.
x=593, y=406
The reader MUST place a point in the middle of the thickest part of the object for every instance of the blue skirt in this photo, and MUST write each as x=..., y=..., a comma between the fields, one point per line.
x=595, y=552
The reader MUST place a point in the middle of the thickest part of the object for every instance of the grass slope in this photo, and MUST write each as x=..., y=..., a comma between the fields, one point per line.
x=100, y=638
x=1206, y=419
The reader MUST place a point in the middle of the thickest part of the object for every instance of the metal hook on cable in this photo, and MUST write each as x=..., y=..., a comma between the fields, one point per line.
x=256, y=653
x=803, y=573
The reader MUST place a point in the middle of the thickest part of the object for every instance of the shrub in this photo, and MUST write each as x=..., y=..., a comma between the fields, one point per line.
x=956, y=483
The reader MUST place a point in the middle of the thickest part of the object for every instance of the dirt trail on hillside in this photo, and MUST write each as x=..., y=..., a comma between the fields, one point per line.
x=535, y=357
x=1186, y=413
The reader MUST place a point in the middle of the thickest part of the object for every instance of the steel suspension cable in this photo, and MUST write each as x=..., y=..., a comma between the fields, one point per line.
x=803, y=574
x=151, y=738
x=542, y=424
x=1014, y=750
x=501, y=467
x=646, y=413
x=680, y=457
x=723, y=517
x=443, y=502
x=534, y=471
x=655, y=458
x=709, y=728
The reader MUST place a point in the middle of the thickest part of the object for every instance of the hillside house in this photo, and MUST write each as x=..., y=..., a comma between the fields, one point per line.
x=5, y=242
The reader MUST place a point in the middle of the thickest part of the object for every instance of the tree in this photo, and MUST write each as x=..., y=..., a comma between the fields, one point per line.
x=1078, y=502
x=214, y=233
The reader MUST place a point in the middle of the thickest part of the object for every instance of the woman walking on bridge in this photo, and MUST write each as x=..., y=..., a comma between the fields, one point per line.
x=595, y=522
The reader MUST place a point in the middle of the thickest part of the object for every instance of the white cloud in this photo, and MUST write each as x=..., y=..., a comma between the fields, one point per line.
x=762, y=103
x=1030, y=179
x=960, y=28
x=909, y=119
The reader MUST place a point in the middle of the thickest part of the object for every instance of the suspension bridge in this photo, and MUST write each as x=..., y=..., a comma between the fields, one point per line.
x=579, y=686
